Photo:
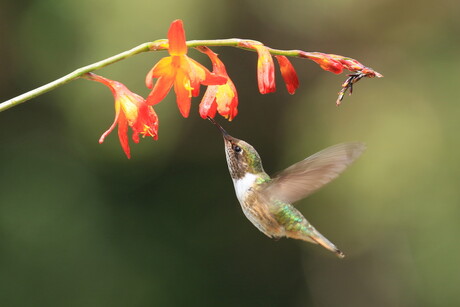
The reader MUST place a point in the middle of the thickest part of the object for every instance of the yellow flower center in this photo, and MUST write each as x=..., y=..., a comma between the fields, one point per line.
x=147, y=131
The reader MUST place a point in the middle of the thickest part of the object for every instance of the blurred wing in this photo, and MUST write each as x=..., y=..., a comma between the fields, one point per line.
x=303, y=178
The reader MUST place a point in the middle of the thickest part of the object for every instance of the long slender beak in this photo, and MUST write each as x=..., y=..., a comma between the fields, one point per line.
x=225, y=134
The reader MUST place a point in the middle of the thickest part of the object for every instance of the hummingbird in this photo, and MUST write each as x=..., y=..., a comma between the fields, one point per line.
x=267, y=201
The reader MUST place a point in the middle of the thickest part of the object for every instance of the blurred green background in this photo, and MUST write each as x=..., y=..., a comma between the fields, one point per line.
x=80, y=225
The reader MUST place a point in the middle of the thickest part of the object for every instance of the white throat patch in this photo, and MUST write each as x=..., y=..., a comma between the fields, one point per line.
x=242, y=185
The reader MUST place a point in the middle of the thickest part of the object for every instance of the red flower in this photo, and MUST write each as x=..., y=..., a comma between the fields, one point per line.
x=329, y=64
x=179, y=70
x=325, y=61
x=265, y=70
x=265, y=67
x=130, y=110
x=221, y=98
x=288, y=73
x=353, y=65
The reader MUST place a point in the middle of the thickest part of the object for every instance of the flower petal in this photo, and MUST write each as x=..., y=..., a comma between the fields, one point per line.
x=208, y=106
x=288, y=73
x=129, y=107
x=162, y=68
x=152, y=124
x=160, y=90
x=193, y=73
x=176, y=38
x=115, y=122
x=149, y=79
x=265, y=70
x=204, y=76
x=218, y=66
x=146, y=124
x=227, y=100
x=328, y=63
x=109, y=83
x=183, y=93
x=123, y=134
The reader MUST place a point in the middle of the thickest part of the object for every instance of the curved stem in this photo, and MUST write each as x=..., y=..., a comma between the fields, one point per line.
x=162, y=44
x=72, y=76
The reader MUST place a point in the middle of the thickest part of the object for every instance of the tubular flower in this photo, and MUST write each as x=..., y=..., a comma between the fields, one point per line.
x=329, y=64
x=353, y=65
x=221, y=98
x=325, y=61
x=180, y=71
x=130, y=110
x=265, y=68
x=288, y=73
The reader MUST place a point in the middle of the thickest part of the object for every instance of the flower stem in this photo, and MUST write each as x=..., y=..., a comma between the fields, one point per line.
x=72, y=76
x=162, y=44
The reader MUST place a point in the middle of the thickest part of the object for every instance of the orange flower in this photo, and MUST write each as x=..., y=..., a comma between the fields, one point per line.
x=288, y=73
x=327, y=62
x=130, y=110
x=329, y=65
x=265, y=70
x=221, y=98
x=179, y=70
x=265, y=67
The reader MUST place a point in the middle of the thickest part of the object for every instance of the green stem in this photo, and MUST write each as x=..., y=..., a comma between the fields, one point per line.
x=72, y=76
x=237, y=42
x=150, y=46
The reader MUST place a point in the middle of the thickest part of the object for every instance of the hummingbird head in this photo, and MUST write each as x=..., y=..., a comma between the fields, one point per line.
x=242, y=158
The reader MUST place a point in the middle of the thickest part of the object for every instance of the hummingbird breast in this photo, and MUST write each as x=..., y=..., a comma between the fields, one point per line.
x=255, y=206
x=257, y=211
x=273, y=218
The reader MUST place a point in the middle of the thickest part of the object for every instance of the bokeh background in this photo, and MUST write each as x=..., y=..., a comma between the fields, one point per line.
x=80, y=225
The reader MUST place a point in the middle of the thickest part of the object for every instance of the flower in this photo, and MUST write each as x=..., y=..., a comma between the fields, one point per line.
x=265, y=70
x=288, y=73
x=179, y=70
x=328, y=62
x=130, y=110
x=265, y=67
x=221, y=98
x=355, y=66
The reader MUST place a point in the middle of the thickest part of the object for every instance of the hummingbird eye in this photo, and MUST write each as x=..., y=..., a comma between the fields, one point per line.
x=237, y=148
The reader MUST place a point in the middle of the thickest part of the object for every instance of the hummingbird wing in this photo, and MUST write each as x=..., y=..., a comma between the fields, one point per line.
x=303, y=178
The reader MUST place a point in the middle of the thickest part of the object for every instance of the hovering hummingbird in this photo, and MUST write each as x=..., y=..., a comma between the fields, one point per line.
x=267, y=202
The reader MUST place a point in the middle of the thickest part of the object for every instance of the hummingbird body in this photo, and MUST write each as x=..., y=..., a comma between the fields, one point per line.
x=267, y=202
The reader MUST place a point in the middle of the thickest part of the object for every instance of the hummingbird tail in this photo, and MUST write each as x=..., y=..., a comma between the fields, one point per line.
x=320, y=239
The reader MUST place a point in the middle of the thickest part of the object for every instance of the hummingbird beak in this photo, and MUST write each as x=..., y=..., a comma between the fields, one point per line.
x=224, y=133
